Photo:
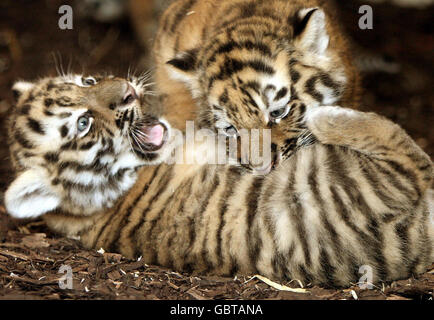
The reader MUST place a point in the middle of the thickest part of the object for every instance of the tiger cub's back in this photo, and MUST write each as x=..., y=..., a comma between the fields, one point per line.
x=332, y=208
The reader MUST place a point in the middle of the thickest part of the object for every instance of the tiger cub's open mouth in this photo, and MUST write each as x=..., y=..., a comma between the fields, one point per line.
x=148, y=135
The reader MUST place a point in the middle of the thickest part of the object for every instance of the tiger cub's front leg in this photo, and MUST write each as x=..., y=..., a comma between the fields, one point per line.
x=381, y=143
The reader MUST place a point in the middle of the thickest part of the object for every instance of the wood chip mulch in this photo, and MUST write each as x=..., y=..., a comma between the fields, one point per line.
x=30, y=259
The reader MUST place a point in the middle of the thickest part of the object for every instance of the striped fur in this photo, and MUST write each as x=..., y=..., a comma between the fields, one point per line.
x=356, y=197
x=252, y=56
x=77, y=143
x=244, y=61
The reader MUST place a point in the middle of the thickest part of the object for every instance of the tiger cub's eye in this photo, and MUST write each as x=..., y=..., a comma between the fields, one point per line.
x=83, y=123
x=89, y=81
x=279, y=113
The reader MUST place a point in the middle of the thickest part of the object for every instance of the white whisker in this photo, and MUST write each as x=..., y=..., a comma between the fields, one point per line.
x=131, y=144
x=137, y=142
x=140, y=133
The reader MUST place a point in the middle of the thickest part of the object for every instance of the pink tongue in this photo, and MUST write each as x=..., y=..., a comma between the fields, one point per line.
x=155, y=135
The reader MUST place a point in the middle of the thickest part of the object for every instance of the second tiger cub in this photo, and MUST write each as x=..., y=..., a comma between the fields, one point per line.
x=253, y=56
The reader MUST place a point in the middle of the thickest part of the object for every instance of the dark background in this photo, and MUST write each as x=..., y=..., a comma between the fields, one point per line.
x=30, y=37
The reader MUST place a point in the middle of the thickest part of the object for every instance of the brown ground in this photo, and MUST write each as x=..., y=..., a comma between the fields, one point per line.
x=30, y=255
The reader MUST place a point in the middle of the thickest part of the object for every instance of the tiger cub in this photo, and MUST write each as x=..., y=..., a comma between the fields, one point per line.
x=356, y=196
x=252, y=56
x=78, y=142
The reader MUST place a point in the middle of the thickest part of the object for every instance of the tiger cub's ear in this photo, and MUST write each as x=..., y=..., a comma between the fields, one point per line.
x=31, y=195
x=20, y=88
x=310, y=32
x=183, y=67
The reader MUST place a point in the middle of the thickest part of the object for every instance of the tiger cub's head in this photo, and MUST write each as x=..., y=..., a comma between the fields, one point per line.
x=248, y=75
x=76, y=143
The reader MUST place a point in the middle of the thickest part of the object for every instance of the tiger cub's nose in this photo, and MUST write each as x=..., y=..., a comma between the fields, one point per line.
x=114, y=93
x=130, y=95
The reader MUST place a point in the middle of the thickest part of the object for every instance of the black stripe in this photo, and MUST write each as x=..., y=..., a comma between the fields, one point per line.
x=254, y=85
x=311, y=90
x=366, y=242
x=35, y=126
x=296, y=213
x=246, y=9
x=186, y=62
x=295, y=75
x=391, y=177
x=306, y=274
x=224, y=97
x=375, y=230
x=358, y=200
x=30, y=98
x=22, y=139
x=163, y=185
x=82, y=188
x=371, y=176
x=250, y=98
x=95, y=167
x=51, y=86
x=25, y=109
x=233, y=66
x=278, y=263
x=16, y=94
x=51, y=157
x=264, y=25
x=63, y=131
x=204, y=174
x=124, y=119
x=180, y=191
x=327, y=81
x=182, y=13
x=114, y=213
x=198, y=215
x=252, y=200
x=48, y=102
x=289, y=146
x=328, y=270
x=299, y=25
x=409, y=175
x=226, y=48
x=185, y=195
x=125, y=219
x=338, y=170
x=294, y=95
x=87, y=145
x=281, y=93
x=425, y=167
x=233, y=175
x=401, y=231
x=331, y=231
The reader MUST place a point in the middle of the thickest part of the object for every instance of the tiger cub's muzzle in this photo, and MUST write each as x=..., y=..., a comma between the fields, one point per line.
x=255, y=153
x=147, y=133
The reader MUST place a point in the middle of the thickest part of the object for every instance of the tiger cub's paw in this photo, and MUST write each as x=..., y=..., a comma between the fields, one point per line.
x=317, y=116
x=322, y=118
x=329, y=123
